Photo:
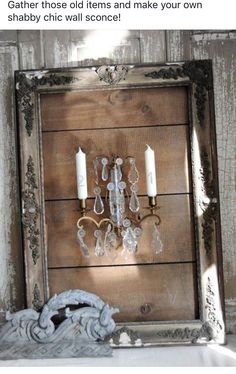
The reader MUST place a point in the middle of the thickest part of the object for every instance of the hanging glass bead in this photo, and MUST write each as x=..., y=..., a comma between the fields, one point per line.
x=99, y=247
x=111, y=188
x=104, y=169
x=134, y=204
x=98, y=203
x=122, y=186
x=133, y=175
x=133, y=178
x=156, y=242
x=110, y=242
x=119, y=162
x=83, y=247
x=129, y=240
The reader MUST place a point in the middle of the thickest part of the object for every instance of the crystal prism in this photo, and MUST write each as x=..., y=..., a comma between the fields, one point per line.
x=99, y=248
x=119, y=162
x=104, y=169
x=98, y=203
x=83, y=247
x=133, y=175
x=110, y=243
x=134, y=204
x=156, y=243
x=129, y=240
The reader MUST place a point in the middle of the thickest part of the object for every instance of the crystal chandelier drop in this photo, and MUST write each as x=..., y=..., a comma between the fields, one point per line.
x=118, y=201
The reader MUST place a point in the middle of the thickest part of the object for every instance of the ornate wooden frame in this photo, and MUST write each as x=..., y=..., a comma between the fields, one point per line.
x=197, y=76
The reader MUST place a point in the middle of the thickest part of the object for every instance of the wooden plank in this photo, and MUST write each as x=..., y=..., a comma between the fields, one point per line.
x=169, y=143
x=168, y=289
x=114, y=108
x=152, y=46
x=64, y=250
x=8, y=36
x=31, y=53
x=57, y=47
x=178, y=45
x=11, y=262
x=221, y=48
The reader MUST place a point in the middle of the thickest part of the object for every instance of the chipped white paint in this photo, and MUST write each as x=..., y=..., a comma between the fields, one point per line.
x=152, y=46
x=27, y=56
x=57, y=48
x=221, y=35
x=9, y=265
x=178, y=45
x=30, y=50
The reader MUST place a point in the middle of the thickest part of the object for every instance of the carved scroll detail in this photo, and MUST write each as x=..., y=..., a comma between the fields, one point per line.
x=211, y=308
x=80, y=331
x=112, y=74
x=199, y=72
x=26, y=85
x=31, y=210
x=209, y=207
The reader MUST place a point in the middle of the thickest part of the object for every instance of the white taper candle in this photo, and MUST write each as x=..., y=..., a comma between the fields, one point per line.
x=81, y=173
x=150, y=171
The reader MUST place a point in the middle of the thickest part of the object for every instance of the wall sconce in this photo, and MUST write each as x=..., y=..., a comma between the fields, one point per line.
x=122, y=225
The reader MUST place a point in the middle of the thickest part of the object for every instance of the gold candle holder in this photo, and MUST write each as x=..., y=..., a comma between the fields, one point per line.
x=152, y=201
x=83, y=205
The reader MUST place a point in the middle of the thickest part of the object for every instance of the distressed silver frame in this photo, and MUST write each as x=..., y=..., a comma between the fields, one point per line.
x=197, y=76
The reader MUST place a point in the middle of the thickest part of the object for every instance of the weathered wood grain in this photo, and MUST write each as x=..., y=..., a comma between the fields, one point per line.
x=169, y=143
x=11, y=262
x=152, y=46
x=178, y=45
x=8, y=36
x=114, y=108
x=169, y=290
x=57, y=48
x=64, y=250
x=31, y=49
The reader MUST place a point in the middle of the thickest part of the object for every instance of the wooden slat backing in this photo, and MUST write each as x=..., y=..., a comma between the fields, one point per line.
x=176, y=231
x=170, y=144
x=168, y=289
x=114, y=108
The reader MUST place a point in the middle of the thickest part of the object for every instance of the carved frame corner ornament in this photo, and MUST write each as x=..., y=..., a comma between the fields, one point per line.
x=199, y=72
x=26, y=86
x=112, y=75
x=197, y=77
x=31, y=210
